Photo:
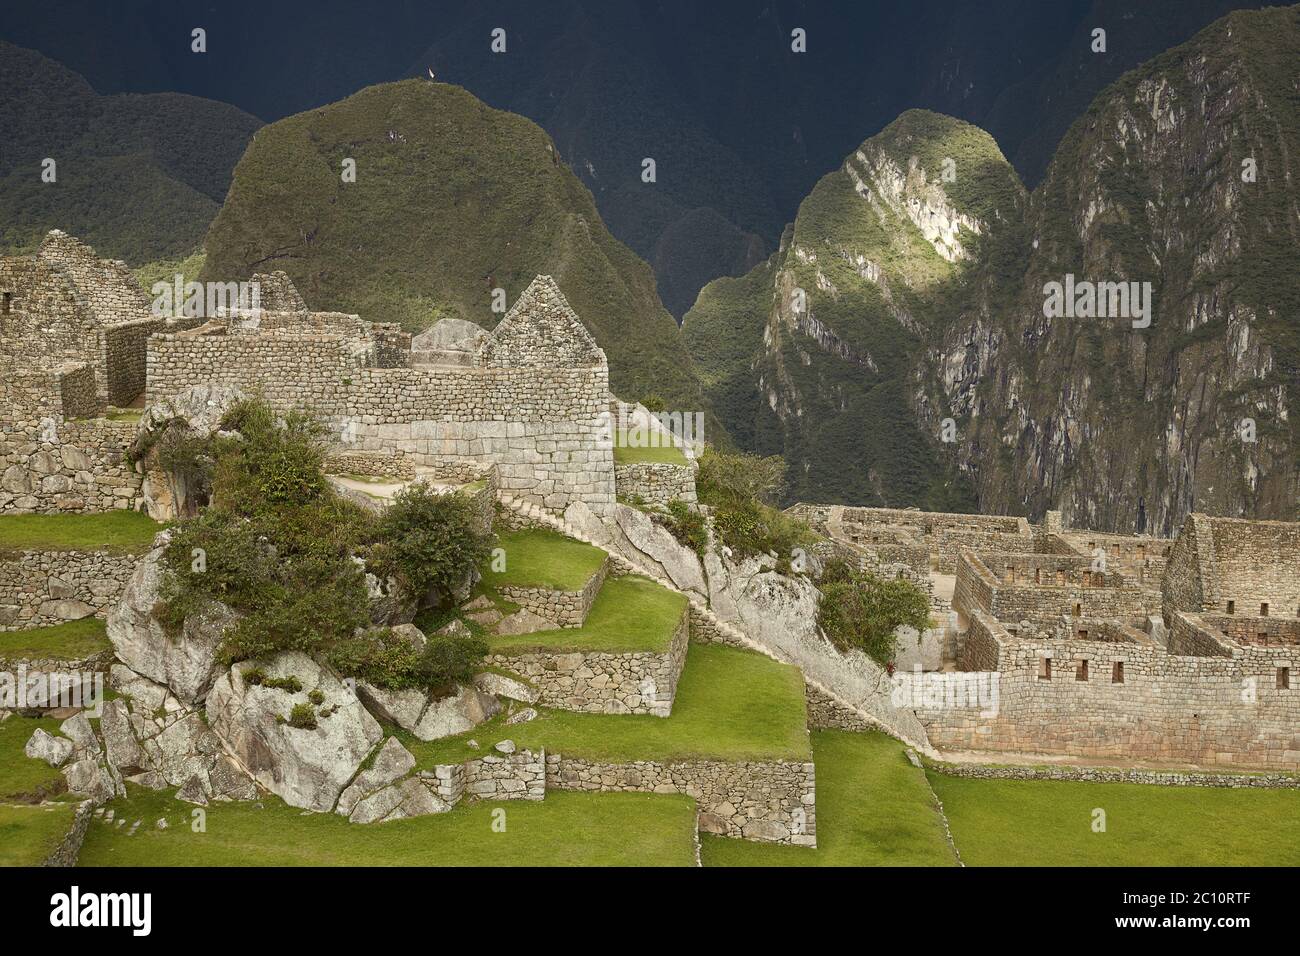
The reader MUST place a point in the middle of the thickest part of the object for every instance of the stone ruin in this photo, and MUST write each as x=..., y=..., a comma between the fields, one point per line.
x=1102, y=645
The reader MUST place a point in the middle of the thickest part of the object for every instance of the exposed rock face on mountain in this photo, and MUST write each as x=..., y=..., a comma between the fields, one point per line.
x=451, y=200
x=903, y=299
x=812, y=354
x=1182, y=175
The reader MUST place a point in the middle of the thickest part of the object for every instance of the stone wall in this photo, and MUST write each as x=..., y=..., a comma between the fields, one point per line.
x=1130, y=701
x=1040, y=588
x=602, y=682
x=542, y=426
x=563, y=608
x=1160, y=778
x=370, y=464
x=495, y=776
x=47, y=465
x=123, y=347
x=770, y=801
x=69, y=848
x=825, y=712
x=41, y=588
x=656, y=483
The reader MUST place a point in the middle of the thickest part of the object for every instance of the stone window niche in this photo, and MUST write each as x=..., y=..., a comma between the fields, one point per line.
x=1117, y=673
x=1044, y=668
x=1081, y=672
x=1232, y=607
x=1263, y=609
x=1284, y=678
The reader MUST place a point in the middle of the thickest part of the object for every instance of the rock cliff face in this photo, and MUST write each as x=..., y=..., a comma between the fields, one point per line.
x=1181, y=175
x=913, y=289
x=824, y=336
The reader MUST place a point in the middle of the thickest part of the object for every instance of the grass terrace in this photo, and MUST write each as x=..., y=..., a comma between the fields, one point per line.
x=873, y=809
x=565, y=829
x=70, y=641
x=731, y=705
x=123, y=532
x=29, y=834
x=21, y=777
x=629, y=614
x=538, y=558
x=625, y=454
x=1049, y=823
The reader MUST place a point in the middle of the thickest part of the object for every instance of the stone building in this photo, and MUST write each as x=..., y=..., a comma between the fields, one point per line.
x=531, y=397
x=63, y=306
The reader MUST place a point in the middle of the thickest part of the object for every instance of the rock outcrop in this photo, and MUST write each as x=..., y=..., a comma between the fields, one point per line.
x=307, y=767
x=185, y=664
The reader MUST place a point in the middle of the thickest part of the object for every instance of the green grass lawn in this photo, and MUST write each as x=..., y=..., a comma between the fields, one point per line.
x=873, y=809
x=625, y=454
x=565, y=829
x=127, y=532
x=29, y=834
x=544, y=559
x=1049, y=823
x=70, y=641
x=731, y=705
x=630, y=613
x=20, y=775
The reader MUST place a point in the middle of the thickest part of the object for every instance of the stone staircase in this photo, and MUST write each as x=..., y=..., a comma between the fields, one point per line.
x=731, y=634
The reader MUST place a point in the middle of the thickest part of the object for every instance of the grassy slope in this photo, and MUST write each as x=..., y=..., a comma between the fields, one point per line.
x=565, y=829
x=730, y=705
x=544, y=559
x=140, y=177
x=126, y=532
x=873, y=809
x=626, y=454
x=451, y=199
x=20, y=776
x=73, y=640
x=28, y=834
x=1049, y=823
x=629, y=614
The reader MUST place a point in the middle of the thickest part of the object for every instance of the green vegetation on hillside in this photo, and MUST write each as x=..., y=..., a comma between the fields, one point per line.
x=71, y=641
x=22, y=778
x=873, y=809
x=126, y=532
x=29, y=834
x=730, y=705
x=139, y=177
x=537, y=558
x=1051, y=823
x=838, y=375
x=630, y=614
x=565, y=829
x=451, y=200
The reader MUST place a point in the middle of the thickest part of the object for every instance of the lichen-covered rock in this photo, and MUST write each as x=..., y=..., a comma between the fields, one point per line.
x=55, y=751
x=426, y=717
x=186, y=664
x=307, y=768
x=391, y=764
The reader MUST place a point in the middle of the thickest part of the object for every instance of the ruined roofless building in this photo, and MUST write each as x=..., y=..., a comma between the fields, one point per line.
x=531, y=397
x=63, y=306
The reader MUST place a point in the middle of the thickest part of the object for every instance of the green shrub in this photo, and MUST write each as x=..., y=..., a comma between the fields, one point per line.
x=725, y=478
x=860, y=610
x=688, y=525
x=303, y=716
x=449, y=660
x=429, y=541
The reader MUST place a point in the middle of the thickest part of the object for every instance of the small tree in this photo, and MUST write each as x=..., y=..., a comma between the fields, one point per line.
x=430, y=540
x=863, y=611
